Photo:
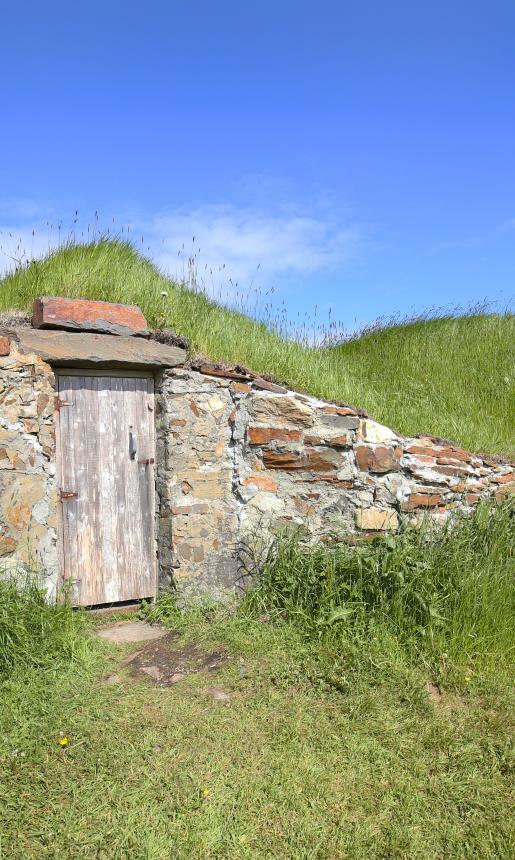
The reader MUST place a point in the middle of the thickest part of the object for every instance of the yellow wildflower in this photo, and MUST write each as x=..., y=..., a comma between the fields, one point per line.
x=63, y=741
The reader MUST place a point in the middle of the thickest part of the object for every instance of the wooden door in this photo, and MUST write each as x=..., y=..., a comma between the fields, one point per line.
x=105, y=444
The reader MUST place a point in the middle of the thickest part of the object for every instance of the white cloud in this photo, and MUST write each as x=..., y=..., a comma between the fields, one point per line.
x=231, y=242
x=231, y=245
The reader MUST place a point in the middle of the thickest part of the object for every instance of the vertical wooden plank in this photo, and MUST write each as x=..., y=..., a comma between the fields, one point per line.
x=132, y=525
x=63, y=438
x=145, y=485
x=59, y=481
x=70, y=506
x=107, y=492
x=92, y=531
x=151, y=478
x=83, y=417
x=88, y=554
x=120, y=452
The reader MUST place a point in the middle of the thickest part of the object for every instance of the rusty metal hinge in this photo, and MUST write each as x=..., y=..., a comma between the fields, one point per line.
x=58, y=403
x=147, y=461
x=64, y=494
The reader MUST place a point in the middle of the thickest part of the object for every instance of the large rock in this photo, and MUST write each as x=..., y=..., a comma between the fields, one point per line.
x=376, y=433
x=85, y=315
x=286, y=408
x=93, y=350
x=379, y=459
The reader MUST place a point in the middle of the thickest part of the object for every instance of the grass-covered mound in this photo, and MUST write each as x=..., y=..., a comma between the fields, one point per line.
x=452, y=376
x=370, y=714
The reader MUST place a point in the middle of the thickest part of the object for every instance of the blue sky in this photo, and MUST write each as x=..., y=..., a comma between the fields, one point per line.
x=362, y=153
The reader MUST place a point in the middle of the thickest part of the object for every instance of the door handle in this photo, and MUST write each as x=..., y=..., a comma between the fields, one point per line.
x=133, y=444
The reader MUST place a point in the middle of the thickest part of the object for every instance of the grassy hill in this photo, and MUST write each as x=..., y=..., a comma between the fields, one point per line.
x=452, y=376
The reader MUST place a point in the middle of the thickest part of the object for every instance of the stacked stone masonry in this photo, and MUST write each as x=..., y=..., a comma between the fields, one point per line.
x=28, y=495
x=237, y=459
x=239, y=462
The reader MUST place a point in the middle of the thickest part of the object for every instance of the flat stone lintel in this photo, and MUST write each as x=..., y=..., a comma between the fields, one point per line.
x=62, y=349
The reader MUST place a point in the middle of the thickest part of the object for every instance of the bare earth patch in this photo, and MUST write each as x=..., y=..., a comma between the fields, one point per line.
x=165, y=665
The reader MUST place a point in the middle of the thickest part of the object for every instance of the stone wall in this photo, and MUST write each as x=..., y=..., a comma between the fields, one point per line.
x=241, y=457
x=238, y=458
x=28, y=495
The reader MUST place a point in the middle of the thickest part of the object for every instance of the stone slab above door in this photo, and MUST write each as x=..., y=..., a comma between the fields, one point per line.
x=96, y=350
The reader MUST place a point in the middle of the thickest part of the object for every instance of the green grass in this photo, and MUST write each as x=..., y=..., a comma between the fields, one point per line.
x=331, y=747
x=33, y=632
x=294, y=768
x=451, y=376
x=438, y=591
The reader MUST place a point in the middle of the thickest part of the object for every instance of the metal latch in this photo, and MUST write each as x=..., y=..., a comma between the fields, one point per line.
x=63, y=495
x=58, y=403
x=147, y=461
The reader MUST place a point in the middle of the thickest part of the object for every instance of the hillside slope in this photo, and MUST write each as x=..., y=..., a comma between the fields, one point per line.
x=453, y=377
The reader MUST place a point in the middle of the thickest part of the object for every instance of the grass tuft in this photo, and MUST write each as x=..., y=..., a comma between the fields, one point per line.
x=446, y=594
x=451, y=375
x=34, y=633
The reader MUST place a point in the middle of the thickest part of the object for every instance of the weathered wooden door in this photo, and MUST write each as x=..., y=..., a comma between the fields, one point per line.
x=105, y=444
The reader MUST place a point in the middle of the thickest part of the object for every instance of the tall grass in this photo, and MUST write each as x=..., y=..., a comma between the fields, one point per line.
x=34, y=633
x=447, y=591
x=450, y=375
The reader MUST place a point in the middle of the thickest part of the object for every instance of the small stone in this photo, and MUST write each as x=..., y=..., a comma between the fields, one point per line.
x=379, y=459
x=503, y=491
x=112, y=678
x=267, y=503
x=130, y=631
x=435, y=451
x=373, y=519
x=337, y=441
x=7, y=545
x=5, y=345
x=338, y=410
x=455, y=471
x=219, y=694
x=504, y=479
x=224, y=373
x=338, y=422
x=153, y=672
x=417, y=500
x=433, y=691
x=264, y=435
x=310, y=460
x=472, y=498
x=30, y=425
x=260, y=481
x=288, y=408
x=266, y=385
